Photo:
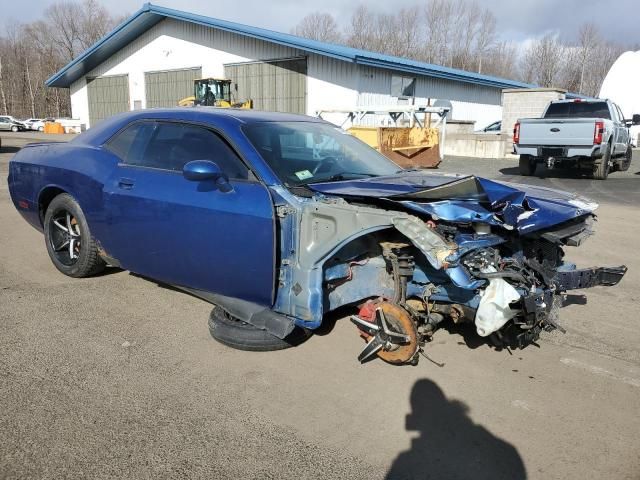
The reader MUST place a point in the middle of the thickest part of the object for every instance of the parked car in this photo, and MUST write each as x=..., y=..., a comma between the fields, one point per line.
x=7, y=124
x=591, y=134
x=278, y=219
x=494, y=127
x=38, y=125
x=28, y=123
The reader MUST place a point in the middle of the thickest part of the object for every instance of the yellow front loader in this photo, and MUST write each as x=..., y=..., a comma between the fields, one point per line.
x=213, y=92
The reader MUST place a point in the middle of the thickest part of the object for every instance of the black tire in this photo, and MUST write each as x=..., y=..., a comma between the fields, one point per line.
x=41, y=129
x=61, y=246
x=601, y=166
x=14, y=129
x=625, y=163
x=240, y=335
x=527, y=165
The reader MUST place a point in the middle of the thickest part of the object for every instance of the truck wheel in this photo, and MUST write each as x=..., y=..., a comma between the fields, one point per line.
x=527, y=165
x=235, y=333
x=601, y=166
x=625, y=162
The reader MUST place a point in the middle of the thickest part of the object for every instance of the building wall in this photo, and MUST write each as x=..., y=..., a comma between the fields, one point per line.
x=468, y=101
x=524, y=103
x=173, y=45
x=331, y=83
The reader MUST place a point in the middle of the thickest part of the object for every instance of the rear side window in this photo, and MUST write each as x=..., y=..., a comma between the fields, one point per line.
x=122, y=143
x=578, y=110
x=168, y=146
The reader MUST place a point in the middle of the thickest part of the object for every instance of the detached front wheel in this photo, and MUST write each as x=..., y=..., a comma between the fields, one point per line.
x=235, y=333
x=69, y=243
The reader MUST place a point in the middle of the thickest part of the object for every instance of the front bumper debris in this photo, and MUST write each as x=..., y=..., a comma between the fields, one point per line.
x=589, y=277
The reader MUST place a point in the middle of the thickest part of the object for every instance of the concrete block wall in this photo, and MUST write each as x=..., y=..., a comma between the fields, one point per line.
x=524, y=103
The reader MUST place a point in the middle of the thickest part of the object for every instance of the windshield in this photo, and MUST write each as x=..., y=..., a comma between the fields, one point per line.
x=578, y=110
x=310, y=152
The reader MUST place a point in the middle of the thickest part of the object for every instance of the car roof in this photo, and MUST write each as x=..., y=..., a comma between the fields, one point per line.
x=578, y=100
x=243, y=115
x=99, y=133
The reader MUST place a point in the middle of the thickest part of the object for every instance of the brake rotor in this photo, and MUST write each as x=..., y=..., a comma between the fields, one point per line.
x=400, y=324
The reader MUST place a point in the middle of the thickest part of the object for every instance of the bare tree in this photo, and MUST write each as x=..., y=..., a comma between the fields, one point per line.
x=486, y=37
x=439, y=17
x=359, y=31
x=95, y=23
x=542, y=61
x=3, y=95
x=409, y=32
x=31, y=53
x=319, y=26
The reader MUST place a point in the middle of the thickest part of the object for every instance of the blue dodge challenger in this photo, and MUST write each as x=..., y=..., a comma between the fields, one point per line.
x=277, y=219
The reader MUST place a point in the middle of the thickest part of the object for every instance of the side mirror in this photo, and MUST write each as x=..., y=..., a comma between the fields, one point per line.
x=198, y=170
x=635, y=119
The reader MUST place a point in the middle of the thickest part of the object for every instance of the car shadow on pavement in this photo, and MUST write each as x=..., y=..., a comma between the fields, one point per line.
x=544, y=172
x=468, y=333
x=108, y=271
x=9, y=149
x=449, y=444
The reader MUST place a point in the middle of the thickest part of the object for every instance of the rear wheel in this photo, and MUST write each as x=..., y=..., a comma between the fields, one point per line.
x=527, y=165
x=69, y=243
x=601, y=166
x=235, y=333
x=625, y=162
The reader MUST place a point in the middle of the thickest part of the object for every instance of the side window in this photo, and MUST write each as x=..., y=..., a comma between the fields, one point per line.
x=614, y=112
x=168, y=146
x=122, y=144
x=403, y=87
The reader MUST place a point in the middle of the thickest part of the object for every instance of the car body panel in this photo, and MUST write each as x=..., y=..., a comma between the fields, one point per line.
x=470, y=199
x=195, y=234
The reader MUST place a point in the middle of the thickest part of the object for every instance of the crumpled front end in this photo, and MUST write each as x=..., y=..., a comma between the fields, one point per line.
x=456, y=249
x=509, y=286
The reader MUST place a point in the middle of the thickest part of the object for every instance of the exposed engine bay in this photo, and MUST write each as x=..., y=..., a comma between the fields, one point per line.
x=410, y=262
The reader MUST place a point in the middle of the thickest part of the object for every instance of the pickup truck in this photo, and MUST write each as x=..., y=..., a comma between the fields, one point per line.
x=583, y=134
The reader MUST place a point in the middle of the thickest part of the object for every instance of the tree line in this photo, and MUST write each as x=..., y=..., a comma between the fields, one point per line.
x=32, y=52
x=453, y=33
x=463, y=34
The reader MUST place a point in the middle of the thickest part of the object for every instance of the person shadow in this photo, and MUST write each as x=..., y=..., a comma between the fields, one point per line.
x=450, y=445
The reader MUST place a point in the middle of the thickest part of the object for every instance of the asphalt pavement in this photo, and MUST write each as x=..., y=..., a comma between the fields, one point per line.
x=117, y=377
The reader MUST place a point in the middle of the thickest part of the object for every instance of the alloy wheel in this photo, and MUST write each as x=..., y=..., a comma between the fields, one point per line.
x=65, y=237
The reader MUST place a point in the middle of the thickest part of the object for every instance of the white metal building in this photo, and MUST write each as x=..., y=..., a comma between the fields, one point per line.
x=151, y=59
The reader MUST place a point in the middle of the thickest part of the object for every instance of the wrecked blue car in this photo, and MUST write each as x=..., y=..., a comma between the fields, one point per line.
x=279, y=219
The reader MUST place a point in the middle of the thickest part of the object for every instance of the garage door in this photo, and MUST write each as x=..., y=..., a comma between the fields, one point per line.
x=278, y=85
x=107, y=96
x=167, y=88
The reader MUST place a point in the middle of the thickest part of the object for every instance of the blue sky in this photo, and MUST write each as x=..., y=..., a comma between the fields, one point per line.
x=518, y=20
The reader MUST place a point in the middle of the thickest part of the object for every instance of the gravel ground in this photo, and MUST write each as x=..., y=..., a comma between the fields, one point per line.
x=117, y=377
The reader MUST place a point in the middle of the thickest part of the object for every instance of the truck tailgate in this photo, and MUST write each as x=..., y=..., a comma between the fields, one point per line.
x=569, y=132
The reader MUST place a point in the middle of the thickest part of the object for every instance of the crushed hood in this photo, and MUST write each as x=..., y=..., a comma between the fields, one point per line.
x=467, y=198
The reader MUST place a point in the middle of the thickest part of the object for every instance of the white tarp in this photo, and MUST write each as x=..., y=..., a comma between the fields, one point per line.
x=621, y=86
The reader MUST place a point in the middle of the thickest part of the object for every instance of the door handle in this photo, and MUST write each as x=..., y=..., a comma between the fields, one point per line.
x=125, y=183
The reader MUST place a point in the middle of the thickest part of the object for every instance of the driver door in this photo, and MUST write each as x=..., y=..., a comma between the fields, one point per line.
x=197, y=234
